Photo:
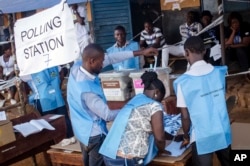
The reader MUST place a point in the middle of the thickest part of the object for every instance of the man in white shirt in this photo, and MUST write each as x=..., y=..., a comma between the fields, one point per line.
x=201, y=99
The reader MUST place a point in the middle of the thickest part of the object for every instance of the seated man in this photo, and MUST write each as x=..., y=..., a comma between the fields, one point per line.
x=190, y=28
x=123, y=45
x=151, y=37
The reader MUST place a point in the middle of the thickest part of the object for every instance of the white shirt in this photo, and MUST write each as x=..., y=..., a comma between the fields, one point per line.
x=8, y=67
x=199, y=68
x=82, y=35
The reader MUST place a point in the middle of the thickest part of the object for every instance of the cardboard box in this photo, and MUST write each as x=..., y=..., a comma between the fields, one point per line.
x=240, y=136
x=6, y=132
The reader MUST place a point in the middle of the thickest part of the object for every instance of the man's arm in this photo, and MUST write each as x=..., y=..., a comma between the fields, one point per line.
x=79, y=19
x=186, y=123
x=98, y=107
x=111, y=58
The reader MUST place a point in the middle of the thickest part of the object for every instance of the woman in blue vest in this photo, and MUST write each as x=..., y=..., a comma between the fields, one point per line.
x=201, y=98
x=138, y=121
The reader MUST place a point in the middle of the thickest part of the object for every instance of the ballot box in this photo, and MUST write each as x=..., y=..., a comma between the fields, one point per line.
x=117, y=85
x=163, y=75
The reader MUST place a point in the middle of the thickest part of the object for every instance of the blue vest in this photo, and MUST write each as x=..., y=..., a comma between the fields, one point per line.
x=112, y=141
x=205, y=100
x=126, y=64
x=81, y=121
x=47, y=83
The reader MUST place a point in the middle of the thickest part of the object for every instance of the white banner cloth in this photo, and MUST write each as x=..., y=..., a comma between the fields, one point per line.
x=45, y=39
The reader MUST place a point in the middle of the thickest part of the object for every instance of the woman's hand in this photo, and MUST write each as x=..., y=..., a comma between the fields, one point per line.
x=185, y=142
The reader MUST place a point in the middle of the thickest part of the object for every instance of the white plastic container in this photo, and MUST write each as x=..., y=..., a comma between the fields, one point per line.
x=172, y=77
x=117, y=85
x=163, y=75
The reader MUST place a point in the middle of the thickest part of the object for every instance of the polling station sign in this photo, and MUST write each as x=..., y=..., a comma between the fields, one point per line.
x=45, y=39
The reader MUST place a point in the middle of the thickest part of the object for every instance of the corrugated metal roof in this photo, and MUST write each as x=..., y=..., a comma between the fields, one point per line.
x=106, y=16
x=14, y=6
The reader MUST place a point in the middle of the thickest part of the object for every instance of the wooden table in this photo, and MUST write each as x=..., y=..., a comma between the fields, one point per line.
x=31, y=145
x=60, y=157
x=74, y=158
x=170, y=161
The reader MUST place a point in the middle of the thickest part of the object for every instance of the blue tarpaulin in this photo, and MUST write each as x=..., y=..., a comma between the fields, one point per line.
x=14, y=6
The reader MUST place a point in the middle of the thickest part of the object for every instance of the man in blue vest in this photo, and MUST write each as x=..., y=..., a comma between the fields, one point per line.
x=123, y=45
x=88, y=107
x=201, y=98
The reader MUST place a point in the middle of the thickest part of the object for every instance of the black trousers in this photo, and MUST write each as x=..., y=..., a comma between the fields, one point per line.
x=207, y=159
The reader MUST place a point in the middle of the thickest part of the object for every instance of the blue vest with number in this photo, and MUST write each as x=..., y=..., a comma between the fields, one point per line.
x=112, y=141
x=81, y=121
x=205, y=100
x=47, y=83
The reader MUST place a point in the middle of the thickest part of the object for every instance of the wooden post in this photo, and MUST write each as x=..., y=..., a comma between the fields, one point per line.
x=222, y=38
x=18, y=84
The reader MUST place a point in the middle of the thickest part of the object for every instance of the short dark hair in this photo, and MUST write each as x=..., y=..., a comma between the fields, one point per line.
x=206, y=13
x=149, y=21
x=6, y=47
x=90, y=50
x=194, y=44
x=234, y=15
x=120, y=28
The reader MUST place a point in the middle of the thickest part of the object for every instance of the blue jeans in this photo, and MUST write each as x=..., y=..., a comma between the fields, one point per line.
x=91, y=155
x=119, y=161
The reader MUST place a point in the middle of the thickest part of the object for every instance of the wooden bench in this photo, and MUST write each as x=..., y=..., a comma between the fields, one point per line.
x=173, y=59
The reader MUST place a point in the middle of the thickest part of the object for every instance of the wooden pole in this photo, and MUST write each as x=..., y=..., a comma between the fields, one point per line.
x=222, y=37
x=18, y=84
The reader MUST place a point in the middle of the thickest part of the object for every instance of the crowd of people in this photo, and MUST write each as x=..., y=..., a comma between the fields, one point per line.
x=137, y=133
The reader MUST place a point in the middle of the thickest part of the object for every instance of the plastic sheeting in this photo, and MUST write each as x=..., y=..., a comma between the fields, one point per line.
x=14, y=6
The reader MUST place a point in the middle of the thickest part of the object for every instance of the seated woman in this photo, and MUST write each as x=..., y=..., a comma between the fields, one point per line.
x=134, y=128
x=7, y=69
x=237, y=40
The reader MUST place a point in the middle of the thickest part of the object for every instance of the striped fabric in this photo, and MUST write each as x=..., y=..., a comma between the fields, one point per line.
x=151, y=39
x=187, y=31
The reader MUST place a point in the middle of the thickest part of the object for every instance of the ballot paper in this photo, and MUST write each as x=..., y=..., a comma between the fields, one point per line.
x=216, y=52
x=33, y=126
x=174, y=148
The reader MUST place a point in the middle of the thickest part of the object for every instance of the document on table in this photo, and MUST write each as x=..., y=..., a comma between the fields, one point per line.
x=33, y=126
x=174, y=148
